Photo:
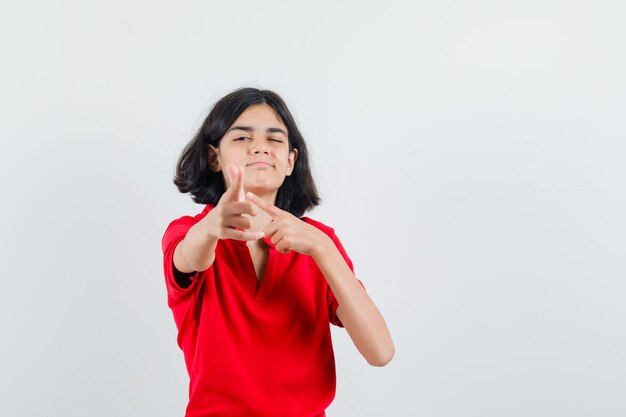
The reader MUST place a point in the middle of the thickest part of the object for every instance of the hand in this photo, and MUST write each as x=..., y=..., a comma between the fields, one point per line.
x=230, y=218
x=288, y=233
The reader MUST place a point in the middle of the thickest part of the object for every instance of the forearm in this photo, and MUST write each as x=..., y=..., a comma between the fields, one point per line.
x=196, y=252
x=358, y=313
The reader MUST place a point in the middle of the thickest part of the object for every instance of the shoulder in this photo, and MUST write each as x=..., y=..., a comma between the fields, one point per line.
x=184, y=220
x=181, y=226
x=330, y=232
x=323, y=227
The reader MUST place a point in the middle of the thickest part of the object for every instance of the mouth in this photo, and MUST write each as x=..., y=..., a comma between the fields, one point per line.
x=260, y=164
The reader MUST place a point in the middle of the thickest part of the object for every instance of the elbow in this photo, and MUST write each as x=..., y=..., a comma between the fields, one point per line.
x=383, y=357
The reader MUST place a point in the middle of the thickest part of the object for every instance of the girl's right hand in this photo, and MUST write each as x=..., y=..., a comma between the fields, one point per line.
x=230, y=218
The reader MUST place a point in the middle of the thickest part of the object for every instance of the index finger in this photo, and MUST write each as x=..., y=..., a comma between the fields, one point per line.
x=264, y=205
x=236, y=177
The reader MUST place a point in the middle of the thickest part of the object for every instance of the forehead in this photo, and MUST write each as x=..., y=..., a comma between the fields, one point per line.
x=260, y=116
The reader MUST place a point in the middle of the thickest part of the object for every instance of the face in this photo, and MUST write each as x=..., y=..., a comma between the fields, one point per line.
x=258, y=142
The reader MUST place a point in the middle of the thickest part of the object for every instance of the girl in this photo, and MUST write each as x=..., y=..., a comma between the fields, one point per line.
x=252, y=284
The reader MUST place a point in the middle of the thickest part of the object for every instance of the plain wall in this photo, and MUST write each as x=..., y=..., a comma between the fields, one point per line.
x=470, y=155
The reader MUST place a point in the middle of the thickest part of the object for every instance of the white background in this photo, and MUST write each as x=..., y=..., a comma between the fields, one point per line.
x=470, y=155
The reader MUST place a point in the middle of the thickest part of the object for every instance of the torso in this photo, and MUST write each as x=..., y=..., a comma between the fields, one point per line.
x=280, y=331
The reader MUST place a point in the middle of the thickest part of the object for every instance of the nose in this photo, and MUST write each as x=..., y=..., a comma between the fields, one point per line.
x=260, y=147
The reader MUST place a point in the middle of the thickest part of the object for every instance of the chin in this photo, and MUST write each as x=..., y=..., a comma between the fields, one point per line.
x=262, y=188
x=264, y=180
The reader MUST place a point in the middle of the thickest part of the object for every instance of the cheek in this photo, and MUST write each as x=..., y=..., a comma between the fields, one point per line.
x=283, y=156
x=233, y=159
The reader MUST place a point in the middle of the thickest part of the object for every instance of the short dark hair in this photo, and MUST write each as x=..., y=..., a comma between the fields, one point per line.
x=296, y=195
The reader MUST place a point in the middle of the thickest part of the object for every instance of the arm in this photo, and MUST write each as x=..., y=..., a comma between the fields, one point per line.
x=356, y=310
x=196, y=252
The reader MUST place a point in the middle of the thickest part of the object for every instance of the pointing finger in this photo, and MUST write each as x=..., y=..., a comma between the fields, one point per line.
x=265, y=206
x=236, y=177
x=241, y=194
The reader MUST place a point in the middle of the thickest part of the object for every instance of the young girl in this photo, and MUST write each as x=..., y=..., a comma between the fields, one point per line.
x=252, y=284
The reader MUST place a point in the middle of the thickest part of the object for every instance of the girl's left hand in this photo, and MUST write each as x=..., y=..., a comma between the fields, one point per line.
x=288, y=232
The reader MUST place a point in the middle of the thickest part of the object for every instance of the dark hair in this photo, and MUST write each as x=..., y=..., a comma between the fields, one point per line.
x=193, y=174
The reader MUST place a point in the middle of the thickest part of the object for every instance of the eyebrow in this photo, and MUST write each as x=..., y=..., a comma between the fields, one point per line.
x=250, y=129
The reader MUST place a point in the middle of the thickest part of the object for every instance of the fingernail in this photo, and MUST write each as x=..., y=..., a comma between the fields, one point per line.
x=260, y=235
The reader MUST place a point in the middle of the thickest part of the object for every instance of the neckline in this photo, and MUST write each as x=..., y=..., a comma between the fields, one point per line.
x=263, y=288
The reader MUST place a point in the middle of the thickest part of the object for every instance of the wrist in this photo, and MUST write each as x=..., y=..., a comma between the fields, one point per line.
x=208, y=224
x=323, y=247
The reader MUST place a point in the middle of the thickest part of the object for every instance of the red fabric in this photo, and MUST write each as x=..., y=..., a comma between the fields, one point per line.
x=250, y=349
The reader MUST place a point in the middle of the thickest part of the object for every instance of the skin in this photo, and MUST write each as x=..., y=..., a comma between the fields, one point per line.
x=248, y=204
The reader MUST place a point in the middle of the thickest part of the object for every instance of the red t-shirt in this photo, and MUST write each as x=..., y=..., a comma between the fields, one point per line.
x=254, y=349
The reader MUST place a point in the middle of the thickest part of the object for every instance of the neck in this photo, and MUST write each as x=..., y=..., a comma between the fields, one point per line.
x=262, y=219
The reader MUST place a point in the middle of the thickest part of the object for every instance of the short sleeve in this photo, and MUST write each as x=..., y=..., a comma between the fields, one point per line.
x=330, y=297
x=178, y=284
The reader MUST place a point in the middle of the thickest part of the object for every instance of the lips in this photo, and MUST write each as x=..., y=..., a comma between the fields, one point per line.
x=260, y=164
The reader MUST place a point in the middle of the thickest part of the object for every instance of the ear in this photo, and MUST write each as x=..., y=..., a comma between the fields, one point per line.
x=214, y=158
x=291, y=161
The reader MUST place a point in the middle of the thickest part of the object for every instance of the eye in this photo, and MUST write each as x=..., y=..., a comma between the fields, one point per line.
x=241, y=139
x=275, y=140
